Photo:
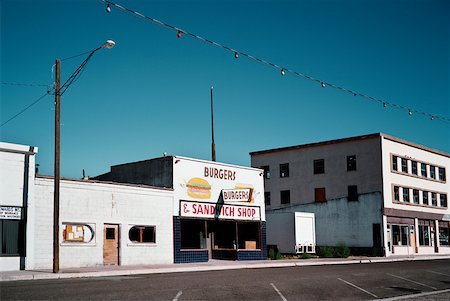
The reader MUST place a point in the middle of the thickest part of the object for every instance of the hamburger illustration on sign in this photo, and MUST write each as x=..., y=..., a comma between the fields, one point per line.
x=198, y=188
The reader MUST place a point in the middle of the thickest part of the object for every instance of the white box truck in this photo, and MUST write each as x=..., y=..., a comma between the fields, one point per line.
x=291, y=232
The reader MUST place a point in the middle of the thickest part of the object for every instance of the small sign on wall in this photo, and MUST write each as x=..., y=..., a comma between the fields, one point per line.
x=7, y=212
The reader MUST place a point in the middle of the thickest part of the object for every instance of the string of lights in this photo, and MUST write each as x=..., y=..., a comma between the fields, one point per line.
x=283, y=70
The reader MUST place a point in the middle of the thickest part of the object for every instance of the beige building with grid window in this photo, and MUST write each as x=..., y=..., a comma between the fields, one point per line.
x=376, y=193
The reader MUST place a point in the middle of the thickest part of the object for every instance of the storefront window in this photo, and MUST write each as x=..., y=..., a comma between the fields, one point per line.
x=225, y=235
x=249, y=234
x=424, y=235
x=142, y=234
x=400, y=235
x=77, y=233
x=193, y=235
x=11, y=233
x=444, y=236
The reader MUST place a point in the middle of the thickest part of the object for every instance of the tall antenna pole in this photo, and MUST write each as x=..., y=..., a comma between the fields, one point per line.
x=213, y=145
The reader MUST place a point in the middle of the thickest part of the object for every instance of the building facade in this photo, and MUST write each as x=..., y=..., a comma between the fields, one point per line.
x=218, y=209
x=376, y=193
x=165, y=210
x=16, y=192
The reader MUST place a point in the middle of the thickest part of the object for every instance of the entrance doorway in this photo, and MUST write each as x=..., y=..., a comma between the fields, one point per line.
x=110, y=244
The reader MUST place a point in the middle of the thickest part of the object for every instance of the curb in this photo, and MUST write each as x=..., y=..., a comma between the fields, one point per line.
x=31, y=275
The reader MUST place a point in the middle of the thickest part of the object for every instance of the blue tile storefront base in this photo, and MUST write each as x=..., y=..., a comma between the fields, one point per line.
x=187, y=256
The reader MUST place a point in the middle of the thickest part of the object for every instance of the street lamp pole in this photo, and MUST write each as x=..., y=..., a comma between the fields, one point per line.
x=57, y=169
x=59, y=90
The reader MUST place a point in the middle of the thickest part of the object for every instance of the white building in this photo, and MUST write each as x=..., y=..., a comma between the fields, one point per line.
x=375, y=193
x=172, y=210
x=16, y=192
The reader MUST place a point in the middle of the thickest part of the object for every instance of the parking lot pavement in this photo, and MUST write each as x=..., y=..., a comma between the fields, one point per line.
x=417, y=280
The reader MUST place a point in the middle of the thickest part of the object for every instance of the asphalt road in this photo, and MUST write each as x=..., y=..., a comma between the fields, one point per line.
x=417, y=280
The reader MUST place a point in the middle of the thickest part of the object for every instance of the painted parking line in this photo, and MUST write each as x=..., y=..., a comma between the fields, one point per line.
x=406, y=279
x=278, y=291
x=177, y=296
x=437, y=273
x=357, y=287
x=414, y=295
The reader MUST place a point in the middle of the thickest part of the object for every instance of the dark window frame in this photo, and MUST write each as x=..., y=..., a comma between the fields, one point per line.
x=267, y=198
x=285, y=197
x=284, y=170
x=145, y=234
x=351, y=163
x=320, y=195
x=352, y=193
x=266, y=169
x=319, y=166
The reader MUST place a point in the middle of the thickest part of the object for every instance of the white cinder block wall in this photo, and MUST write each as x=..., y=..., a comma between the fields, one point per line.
x=96, y=204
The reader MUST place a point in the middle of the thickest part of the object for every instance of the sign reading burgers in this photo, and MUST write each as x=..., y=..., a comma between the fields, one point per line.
x=198, y=188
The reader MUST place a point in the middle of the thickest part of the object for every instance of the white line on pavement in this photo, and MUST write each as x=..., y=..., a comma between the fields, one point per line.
x=360, y=288
x=415, y=295
x=429, y=286
x=439, y=273
x=278, y=291
x=177, y=296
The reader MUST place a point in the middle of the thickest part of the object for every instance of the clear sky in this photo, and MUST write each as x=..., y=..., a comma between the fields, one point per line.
x=150, y=94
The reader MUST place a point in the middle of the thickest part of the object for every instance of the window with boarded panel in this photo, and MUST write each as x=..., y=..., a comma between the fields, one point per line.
x=320, y=195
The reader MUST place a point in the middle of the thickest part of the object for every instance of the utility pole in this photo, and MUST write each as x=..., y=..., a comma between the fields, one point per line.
x=57, y=169
x=213, y=145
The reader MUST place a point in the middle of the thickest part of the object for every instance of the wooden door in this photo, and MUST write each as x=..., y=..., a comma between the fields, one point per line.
x=111, y=244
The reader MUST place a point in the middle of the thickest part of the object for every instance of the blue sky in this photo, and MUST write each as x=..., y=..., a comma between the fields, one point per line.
x=150, y=94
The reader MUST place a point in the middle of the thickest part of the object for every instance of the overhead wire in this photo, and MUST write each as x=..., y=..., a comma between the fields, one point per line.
x=26, y=108
x=283, y=70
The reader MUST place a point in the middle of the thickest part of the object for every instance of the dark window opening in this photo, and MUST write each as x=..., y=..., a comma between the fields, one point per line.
x=405, y=195
x=444, y=235
x=110, y=233
x=400, y=235
x=441, y=173
x=396, y=193
x=423, y=170
x=142, y=234
x=415, y=196
x=284, y=170
x=414, y=167
x=319, y=166
x=443, y=200
x=266, y=171
x=351, y=163
x=224, y=235
x=432, y=172
x=320, y=195
x=376, y=235
x=11, y=237
x=267, y=198
x=404, y=165
x=193, y=235
x=425, y=197
x=285, y=196
x=395, y=163
x=433, y=199
x=352, y=193
x=249, y=234
x=424, y=235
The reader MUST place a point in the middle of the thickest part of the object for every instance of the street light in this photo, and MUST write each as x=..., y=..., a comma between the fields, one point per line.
x=59, y=90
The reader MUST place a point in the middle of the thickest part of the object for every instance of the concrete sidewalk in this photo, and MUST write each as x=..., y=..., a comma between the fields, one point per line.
x=212, y=265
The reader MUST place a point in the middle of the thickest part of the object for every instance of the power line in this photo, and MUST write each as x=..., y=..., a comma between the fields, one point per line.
x=283, y=70
x=26, y=84
x=23, y=110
